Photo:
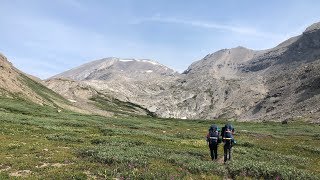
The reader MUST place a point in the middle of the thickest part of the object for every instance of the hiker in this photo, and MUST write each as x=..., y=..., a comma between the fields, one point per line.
x=213, y=141
x=227, y=137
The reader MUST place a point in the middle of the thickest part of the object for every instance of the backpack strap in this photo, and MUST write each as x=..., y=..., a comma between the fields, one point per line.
x=227, y=138
x=213, y=138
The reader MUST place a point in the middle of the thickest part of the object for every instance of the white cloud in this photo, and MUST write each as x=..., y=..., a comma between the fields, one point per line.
x=73, y=3
x=54, y=45
x=208, y=25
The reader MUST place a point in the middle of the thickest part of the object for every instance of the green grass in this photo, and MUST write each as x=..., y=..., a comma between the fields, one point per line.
x=119, y=107
x=46, y=93
x=68, y=145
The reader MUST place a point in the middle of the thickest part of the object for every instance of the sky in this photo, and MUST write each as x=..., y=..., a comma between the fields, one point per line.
x=45, y=37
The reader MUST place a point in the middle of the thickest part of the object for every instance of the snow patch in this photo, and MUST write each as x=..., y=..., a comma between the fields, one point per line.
x=73, y=101
x=149, y=71
x=126, y=60
x=141, y=60
x=152, y=62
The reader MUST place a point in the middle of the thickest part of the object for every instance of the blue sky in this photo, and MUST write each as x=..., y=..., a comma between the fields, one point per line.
x=45, y=37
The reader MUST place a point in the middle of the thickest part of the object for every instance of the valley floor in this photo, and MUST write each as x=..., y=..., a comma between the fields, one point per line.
x=41, y=143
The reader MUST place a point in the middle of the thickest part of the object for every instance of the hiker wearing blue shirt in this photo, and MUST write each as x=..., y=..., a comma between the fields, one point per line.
x=227, y=137
x=213, y=141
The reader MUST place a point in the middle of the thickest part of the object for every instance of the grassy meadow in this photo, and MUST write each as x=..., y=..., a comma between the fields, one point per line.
x=38, y=142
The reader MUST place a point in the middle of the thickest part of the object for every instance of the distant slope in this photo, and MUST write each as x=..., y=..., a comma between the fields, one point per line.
x=15, y=84
x=87, y=97
x=17, y=88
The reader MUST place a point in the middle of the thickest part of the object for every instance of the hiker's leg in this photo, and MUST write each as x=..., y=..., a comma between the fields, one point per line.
x=215, y=151
x=225, y=151
x=211, y=152
x=230, y=152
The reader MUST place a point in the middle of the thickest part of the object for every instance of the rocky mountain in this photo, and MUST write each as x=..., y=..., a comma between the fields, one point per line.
x=214, y=87
x=273, y=84
x=130, y=81
x=125, y=78
x=278, y=83
x=292, y=77
x=114, y=68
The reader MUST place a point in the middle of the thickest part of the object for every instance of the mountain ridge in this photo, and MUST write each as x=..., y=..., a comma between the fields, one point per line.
x=90, y=68
x=273, y=84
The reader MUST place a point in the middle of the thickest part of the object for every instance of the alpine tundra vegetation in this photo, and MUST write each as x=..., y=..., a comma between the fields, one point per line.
x=137, y=118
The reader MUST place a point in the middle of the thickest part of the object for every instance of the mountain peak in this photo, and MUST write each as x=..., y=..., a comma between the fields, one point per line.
x=139, y=60
x=312, y=28
x=113, y=60
x=111, y=67
x=240, y=47
x=227, y=51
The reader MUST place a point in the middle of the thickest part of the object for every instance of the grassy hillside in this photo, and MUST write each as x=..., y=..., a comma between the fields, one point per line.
x=119, y=107
x=16, y=84
x=37, y=142
x=45, y=93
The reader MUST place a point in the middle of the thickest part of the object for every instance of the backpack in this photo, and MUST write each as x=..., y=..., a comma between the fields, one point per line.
x=227, y=131
x=222, y=132
x=213, y=135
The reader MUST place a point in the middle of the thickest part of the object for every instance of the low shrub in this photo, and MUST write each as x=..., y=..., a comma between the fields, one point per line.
x=311, y=149
x=63, y=137
x=267, y=170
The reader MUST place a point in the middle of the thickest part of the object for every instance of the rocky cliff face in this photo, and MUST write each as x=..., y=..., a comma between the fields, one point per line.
x=215, y=87
x=273, y=84
x=291, y=74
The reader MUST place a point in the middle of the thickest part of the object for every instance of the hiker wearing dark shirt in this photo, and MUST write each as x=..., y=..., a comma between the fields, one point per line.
x=213, y=141
x=227, y=137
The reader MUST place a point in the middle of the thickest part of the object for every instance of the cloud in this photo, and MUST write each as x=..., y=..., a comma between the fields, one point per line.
x=56, y=43
x=203, y=24
x=73, y=3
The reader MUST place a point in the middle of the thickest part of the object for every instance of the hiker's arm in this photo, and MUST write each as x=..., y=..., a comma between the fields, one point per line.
x=207, y=139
